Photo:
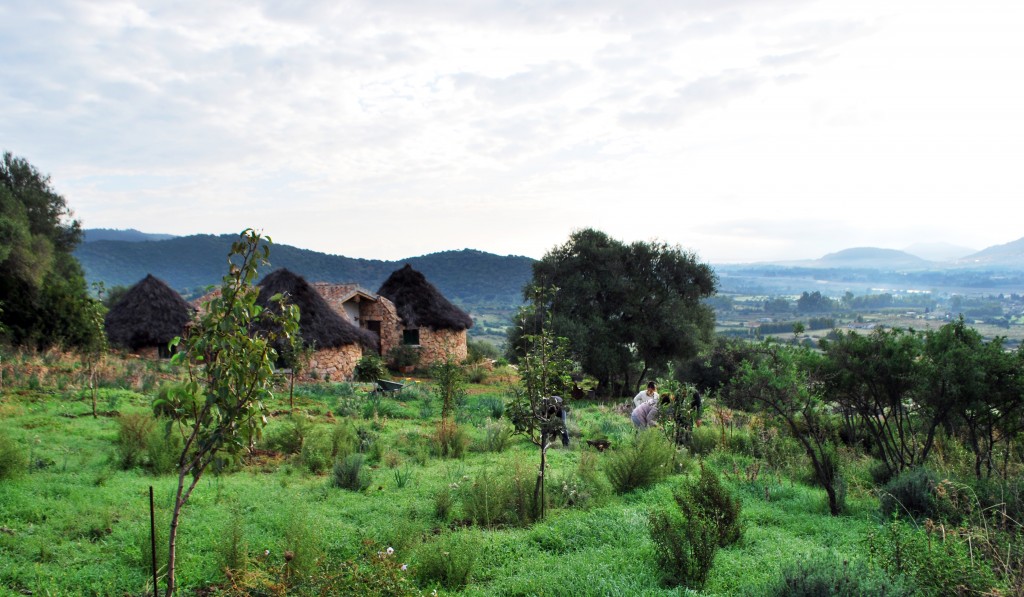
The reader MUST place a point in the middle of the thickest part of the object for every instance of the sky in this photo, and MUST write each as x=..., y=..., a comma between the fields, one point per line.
x=740, y=130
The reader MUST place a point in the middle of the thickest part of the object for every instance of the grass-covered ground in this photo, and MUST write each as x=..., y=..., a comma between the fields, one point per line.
x=75, y=519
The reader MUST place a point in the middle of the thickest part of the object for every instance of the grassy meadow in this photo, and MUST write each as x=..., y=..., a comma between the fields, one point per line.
x=351, y=493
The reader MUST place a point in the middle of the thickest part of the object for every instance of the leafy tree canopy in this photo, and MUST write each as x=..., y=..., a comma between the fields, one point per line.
x=42, y=289
x=627, y=310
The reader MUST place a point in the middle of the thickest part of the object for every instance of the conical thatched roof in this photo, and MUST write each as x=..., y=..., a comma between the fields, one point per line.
x=320, y=325
x=420, y=304
x=149, y=314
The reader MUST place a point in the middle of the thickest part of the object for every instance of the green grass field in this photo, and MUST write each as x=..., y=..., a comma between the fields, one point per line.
x=76, y=521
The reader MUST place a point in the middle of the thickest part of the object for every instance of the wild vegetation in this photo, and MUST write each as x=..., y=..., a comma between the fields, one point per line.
x=873, y=462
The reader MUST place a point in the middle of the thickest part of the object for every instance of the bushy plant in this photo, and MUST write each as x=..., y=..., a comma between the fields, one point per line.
x=350, y=474
x=133, y=430
x=316, y=455
x=162, y=450
x=500, y=497
x=583, y=488
x=708, y=498
x=703, y=440
x=913, y=493
x=449, y=439
x=13, y=460
x=937, y=563
x=685, y=546
x=647, y=461
x=824, y=575
x=497, y=435
x=370, y=368
x=344, y=440
x=447, y=561
x=443, y=502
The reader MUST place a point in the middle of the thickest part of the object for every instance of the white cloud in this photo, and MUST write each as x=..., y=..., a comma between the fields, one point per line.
x=742, y=130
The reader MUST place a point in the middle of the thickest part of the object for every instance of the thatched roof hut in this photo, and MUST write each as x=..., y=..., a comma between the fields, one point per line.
x=319, y=324
x=149, y=314
x=420, y=304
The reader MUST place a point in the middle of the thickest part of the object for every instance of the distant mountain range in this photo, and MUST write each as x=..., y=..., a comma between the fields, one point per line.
x=477, y=280
x=472, y=279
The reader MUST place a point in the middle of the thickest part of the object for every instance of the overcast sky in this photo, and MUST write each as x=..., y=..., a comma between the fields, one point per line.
x=743, y=130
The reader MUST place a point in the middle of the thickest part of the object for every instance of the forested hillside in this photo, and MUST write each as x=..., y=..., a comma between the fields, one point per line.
x=472, y=279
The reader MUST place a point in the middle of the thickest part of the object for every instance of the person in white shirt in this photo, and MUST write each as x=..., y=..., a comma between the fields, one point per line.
x=651, y=393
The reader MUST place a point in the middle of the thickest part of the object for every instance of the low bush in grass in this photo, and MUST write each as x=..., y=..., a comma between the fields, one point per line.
x=316, y=452
x=133, y=431
x=705, y=516
x=349, y=473
x=647, y=461
x=826, y=575
x=288, y=436
x=914, y=493
x=447, y=561
x=704, y=440
x=449, y=440
x=496, y=437
x=501, y=496
x=13, y=460
x=938, y=563
x=583, y=488
x=163, y=449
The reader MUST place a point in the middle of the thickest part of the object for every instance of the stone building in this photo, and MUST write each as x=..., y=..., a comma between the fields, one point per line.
x=147, y=318
x=337, y=343
x=427, y=320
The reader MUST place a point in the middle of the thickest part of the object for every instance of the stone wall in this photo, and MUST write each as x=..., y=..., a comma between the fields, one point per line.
x=440, y=345
x=334, y=364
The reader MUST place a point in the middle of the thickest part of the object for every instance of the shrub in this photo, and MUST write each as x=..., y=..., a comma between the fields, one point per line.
x=13, y=460
x=708, y=498
x=493, y=406
x=133, y=429
x=449, y=440
x=913, y=493
x=477, y=373
x=703, y=440
x=344, y=440
x=447, y=561
x=350, y=474
x=481, y=350
x=443, y=502
x=289, y=436
x=163, y=448
x=937, y=563
x=370, y=368
x=502, y=497
x=826, y=575
x=685, y=547
x=582, y=488
x=646, y=462
x=496, y=437
x=316, y=456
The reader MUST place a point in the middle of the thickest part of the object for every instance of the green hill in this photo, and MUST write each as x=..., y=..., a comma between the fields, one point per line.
x=472, y=279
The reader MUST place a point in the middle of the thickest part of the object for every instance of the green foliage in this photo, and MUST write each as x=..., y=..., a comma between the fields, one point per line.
x=163, y=448
x=916, y=493
x=230, y=362
x=685, y=547
x=370, y=368
x=704, y=440
x=449, y=386
x=403, y=355
x=349, y=473
x=647, y=461
x=42, y=289
x=937, y=563
x=447, y=561
x=133, y=432
x=497, y=435
x=13, y=460
x=708, y=498
x=502, y=497
x=824, y=575
x=481, y=350
x=449, y=440
x=623, y=308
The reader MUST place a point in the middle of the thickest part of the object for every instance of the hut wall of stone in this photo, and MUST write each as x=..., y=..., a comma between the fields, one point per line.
x=334, y=364
x=383, y=310
x=440, y=345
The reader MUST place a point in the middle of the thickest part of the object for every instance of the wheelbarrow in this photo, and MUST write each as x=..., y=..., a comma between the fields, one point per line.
x=384, y=386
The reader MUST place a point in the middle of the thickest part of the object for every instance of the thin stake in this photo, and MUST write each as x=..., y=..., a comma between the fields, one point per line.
x=152, y=539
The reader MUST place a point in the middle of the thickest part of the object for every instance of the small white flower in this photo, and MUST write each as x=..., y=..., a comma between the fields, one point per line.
x=391, y=550
x=266, y=552
x=404, y=567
